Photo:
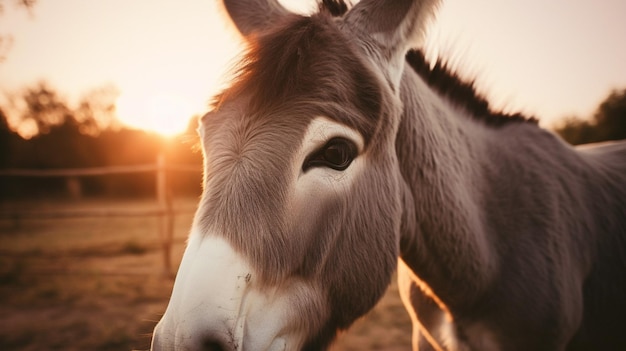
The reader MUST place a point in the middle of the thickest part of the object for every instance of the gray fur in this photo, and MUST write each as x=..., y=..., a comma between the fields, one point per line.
x=514, y=230
x=509, y=239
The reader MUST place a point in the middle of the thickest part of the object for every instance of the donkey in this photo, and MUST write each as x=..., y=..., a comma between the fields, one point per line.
x=329, y=163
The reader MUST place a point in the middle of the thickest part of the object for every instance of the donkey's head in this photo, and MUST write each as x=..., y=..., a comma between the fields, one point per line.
x=297, y=232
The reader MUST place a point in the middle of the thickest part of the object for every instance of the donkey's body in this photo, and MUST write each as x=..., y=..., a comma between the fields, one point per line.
x=520, y=236
x=327, y=159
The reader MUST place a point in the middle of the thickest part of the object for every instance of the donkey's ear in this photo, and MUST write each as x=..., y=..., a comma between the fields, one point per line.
x=394, y=26
x=250, y=16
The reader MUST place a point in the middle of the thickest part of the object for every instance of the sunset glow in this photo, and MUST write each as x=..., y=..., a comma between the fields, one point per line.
x=161, y=113
x=166, y=57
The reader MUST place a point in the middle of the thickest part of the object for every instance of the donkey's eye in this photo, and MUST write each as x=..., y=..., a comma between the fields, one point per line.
x=337, y=154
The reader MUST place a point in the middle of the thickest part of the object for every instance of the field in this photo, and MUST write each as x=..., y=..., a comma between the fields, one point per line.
x=98, y=283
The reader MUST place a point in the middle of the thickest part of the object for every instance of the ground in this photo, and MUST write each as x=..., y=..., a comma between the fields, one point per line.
x=98, y=283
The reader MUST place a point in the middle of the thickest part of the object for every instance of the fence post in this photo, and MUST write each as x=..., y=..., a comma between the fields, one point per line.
x=166, y=225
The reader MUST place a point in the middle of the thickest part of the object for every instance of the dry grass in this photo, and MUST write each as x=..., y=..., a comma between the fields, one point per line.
x=97, y=284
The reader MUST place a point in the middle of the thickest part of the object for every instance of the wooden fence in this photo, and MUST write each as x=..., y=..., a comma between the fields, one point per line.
x=164, y=208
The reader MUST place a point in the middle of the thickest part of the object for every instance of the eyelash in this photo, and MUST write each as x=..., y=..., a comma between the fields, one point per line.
x=338, y=153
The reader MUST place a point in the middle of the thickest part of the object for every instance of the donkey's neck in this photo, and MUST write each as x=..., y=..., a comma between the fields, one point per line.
x=443, y=239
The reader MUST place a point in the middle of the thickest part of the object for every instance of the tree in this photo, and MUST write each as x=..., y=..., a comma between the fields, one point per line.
x=610, y=117
x=28, y=4
x=37, y=109
x=6, y=40
x=607, y=123
x=96, y=110
x=7, y=139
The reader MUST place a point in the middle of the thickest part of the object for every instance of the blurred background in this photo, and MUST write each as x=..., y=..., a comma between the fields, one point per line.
x=100, y=167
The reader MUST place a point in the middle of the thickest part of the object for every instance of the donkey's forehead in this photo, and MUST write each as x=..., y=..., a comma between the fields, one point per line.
x=305, y=66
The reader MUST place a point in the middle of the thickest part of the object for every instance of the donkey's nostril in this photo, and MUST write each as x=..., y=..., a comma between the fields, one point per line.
x=213, y=345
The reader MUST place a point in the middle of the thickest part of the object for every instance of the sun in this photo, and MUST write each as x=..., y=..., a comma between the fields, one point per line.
x=164, y=113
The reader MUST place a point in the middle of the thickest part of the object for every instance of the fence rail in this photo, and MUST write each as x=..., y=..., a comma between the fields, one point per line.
x=94, y=171
x=164, y=208
x=91, y=213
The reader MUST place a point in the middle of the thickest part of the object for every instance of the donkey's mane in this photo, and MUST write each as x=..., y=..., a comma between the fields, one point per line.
x=460, y=92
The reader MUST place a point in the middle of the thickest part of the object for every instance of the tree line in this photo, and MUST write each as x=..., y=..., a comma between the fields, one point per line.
x=87, y=135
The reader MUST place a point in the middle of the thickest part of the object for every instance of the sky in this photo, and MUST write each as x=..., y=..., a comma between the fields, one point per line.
x=548, y=58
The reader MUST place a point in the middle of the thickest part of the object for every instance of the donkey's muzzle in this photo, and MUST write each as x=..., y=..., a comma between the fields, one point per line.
x=217, y=304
